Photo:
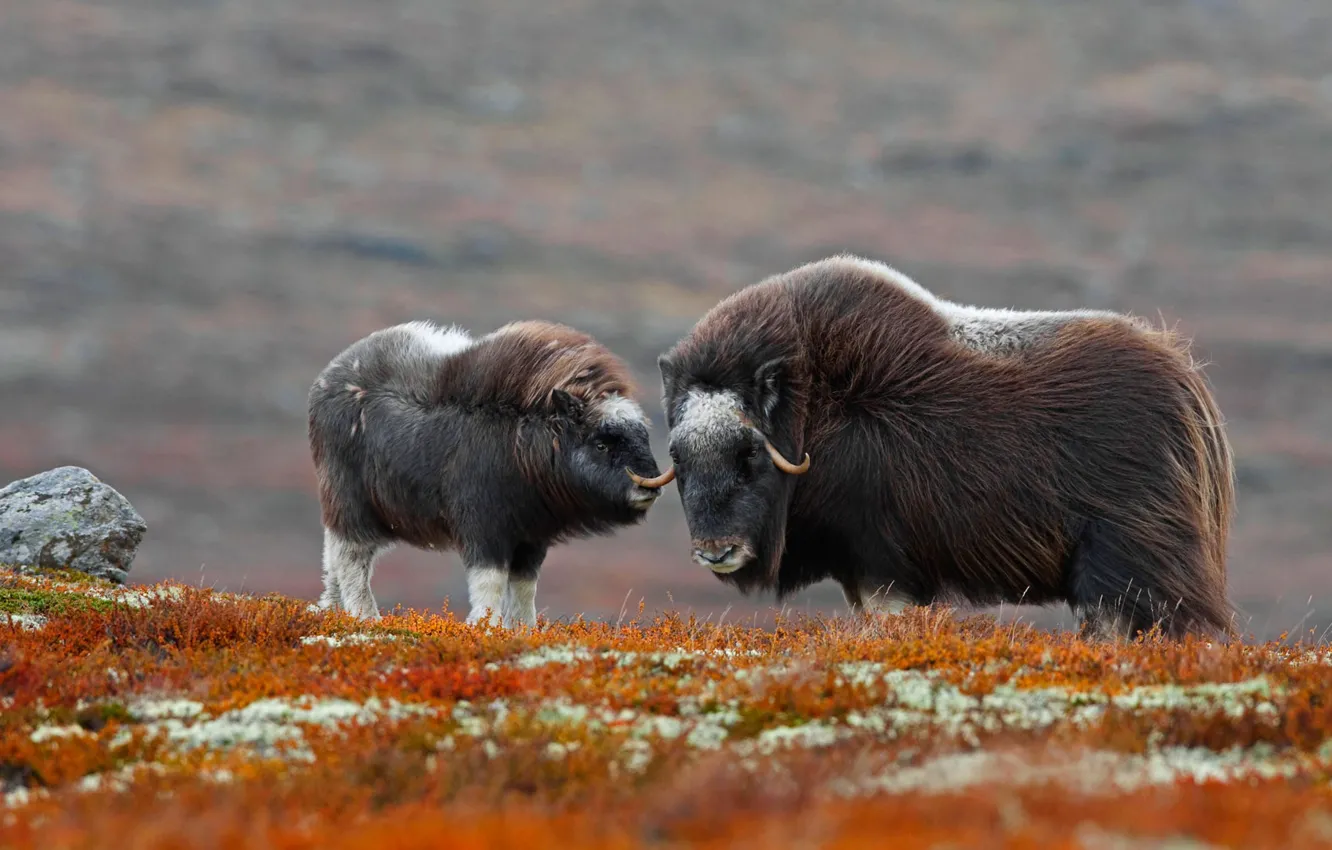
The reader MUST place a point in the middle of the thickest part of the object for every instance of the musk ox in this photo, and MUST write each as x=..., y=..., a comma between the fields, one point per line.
x=497, y=448
x=839, y=421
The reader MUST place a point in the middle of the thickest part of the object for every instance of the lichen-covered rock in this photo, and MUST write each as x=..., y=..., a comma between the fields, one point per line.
x=66, y=518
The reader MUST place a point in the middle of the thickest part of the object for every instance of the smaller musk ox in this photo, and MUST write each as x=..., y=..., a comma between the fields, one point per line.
x=839, y=421
x=497, y=447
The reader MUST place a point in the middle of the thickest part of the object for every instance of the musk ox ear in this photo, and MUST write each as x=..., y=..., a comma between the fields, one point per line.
x=667, y=368
x=565, y=405
x=768, y=380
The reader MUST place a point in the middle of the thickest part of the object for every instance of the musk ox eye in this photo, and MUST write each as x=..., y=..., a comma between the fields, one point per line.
x=602, y=447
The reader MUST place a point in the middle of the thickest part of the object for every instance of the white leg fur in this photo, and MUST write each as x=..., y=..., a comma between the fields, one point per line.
x=347, y=571
x=331, y=598
x=522, y=602
x=875, y=600
x=881, y=600
x=486, y=588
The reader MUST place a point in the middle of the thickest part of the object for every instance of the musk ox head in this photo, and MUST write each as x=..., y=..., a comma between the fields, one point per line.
x=609, y=460
x=730, y=443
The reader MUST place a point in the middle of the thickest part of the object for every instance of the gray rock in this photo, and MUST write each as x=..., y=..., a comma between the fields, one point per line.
x=66, y=518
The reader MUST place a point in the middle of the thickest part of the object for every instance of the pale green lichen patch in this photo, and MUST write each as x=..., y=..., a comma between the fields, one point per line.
x=554, y=654
x=263, y=725
x=1088, y=772
x=47, y=733
x=351, y=639
x=24, y=621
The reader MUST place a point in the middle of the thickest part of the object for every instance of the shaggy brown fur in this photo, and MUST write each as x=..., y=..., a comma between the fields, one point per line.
x=525, y=361
x=977, y=455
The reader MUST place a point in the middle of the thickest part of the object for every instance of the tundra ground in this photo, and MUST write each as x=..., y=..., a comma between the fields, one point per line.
x=173, y=716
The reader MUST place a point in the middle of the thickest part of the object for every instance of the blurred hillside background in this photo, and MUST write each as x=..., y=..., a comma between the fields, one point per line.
x=202, y=202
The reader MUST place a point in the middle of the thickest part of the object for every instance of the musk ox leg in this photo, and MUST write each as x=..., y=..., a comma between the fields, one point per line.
x=1103, y=624
x=521, y=604
x=884, y=600
x=347, y=570
x=524, y=569
x=487, y=585
x=331, y=598
x=1113, y=585
x=875, y=599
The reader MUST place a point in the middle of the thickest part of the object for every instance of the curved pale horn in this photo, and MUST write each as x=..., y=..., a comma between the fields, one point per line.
x=785, y=465
x=652, y=483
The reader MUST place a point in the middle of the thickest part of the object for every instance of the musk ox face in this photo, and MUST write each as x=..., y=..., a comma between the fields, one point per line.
x=734, y=484
x=609, y=456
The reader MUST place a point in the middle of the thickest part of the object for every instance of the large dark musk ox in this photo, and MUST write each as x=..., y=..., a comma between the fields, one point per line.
x=497, y=447
x=839, y=421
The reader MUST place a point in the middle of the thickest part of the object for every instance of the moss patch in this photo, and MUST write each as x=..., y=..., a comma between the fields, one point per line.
x=14, y=600
x=60, y=574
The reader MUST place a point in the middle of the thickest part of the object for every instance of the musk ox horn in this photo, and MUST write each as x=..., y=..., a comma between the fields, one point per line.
x=785, y=465
x=652, y=483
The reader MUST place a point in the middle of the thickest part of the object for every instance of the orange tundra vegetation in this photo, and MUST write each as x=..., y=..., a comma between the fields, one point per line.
x=175, y=717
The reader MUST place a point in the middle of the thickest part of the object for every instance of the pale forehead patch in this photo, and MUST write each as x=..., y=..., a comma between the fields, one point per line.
x=441, y=341
x=703, y=414
x=617, y=408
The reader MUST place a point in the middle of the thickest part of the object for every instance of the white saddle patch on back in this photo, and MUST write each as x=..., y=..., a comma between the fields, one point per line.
x=444, y=341
x=995, y=330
